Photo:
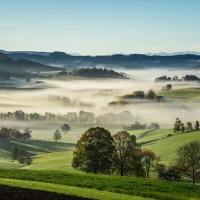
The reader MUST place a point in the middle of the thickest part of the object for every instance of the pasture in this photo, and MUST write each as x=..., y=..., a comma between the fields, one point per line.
x=148, y=188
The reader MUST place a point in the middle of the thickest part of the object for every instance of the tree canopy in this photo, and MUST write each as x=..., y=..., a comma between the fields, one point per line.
x=128, y=154
x=94, y=152
x=188, y=160
x=57, y=135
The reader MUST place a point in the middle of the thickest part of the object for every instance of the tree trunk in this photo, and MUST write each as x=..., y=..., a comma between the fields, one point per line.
x=147, y=171
x=121, y=168
x=193, y=177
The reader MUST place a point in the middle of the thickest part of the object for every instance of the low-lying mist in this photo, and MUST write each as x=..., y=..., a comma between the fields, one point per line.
x=93, y=95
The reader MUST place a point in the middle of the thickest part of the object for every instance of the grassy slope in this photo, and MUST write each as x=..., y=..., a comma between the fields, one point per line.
x=57, y=161
x=183, y=92
x=148, y=188
x=166, y=146
x=37, y=149
x=70, y=190
x=137, y=132
x=58, y=156
x=48, y=155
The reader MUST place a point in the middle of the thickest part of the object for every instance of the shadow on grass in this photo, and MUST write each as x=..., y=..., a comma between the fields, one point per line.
x=34, y=147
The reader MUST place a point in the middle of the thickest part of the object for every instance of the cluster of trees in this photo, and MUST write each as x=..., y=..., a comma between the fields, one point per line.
x=138, y=126
x=167, y=87
x=137, y=97
x=176, y=78
x=7, y=134
x=180, y=127
x=99, y=152
x=66, y=101
x=65, y=128
x=124, y=117
x=93, y=73
x=21, y=156
x=73, y=117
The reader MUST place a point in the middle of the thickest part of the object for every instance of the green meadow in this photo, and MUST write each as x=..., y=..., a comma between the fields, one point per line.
x=131, y=186
x=182, y=92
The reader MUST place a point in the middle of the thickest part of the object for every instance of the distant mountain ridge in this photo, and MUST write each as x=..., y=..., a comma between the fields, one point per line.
x=21, y=68
x=172, y=54
x=132, y=61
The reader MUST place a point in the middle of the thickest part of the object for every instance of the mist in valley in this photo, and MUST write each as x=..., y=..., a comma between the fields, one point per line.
x=93, y=95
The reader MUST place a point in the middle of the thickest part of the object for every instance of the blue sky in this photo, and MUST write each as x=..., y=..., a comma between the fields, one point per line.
x=99, y=27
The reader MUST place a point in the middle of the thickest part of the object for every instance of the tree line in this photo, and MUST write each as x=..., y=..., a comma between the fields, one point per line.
x=138, y=96
x=179, y=126
x=82, y=117
x=93, y=73
x=176, y=78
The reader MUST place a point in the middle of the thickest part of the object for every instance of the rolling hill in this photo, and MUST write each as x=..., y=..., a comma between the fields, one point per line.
x=132, y=61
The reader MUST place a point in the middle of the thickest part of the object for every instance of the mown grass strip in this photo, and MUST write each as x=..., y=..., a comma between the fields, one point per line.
x=70, y=190
x=147, y=188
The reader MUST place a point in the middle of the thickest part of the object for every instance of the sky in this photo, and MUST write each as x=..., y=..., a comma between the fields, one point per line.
x=100, y=27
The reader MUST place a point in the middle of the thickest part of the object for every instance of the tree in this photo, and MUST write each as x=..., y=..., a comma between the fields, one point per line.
x=128, y=154
x=189, y=127
x=65, y=128
x=197, y=125
x=122, y=143
x=168, y=87
x=177, y=125
x=188, y=160
x=154, y=126
x=94, y=152
x=151, y=95
x=149, y=160
x=57, y=135
x=26, y=133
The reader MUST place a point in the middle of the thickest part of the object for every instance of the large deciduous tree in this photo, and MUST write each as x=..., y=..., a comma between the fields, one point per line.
x=128, y=154
x=188, y=160
x=94, y=152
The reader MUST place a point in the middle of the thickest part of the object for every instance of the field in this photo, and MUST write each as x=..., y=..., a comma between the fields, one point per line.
x=182, y=92
x=65, y=180
x=114, y=185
